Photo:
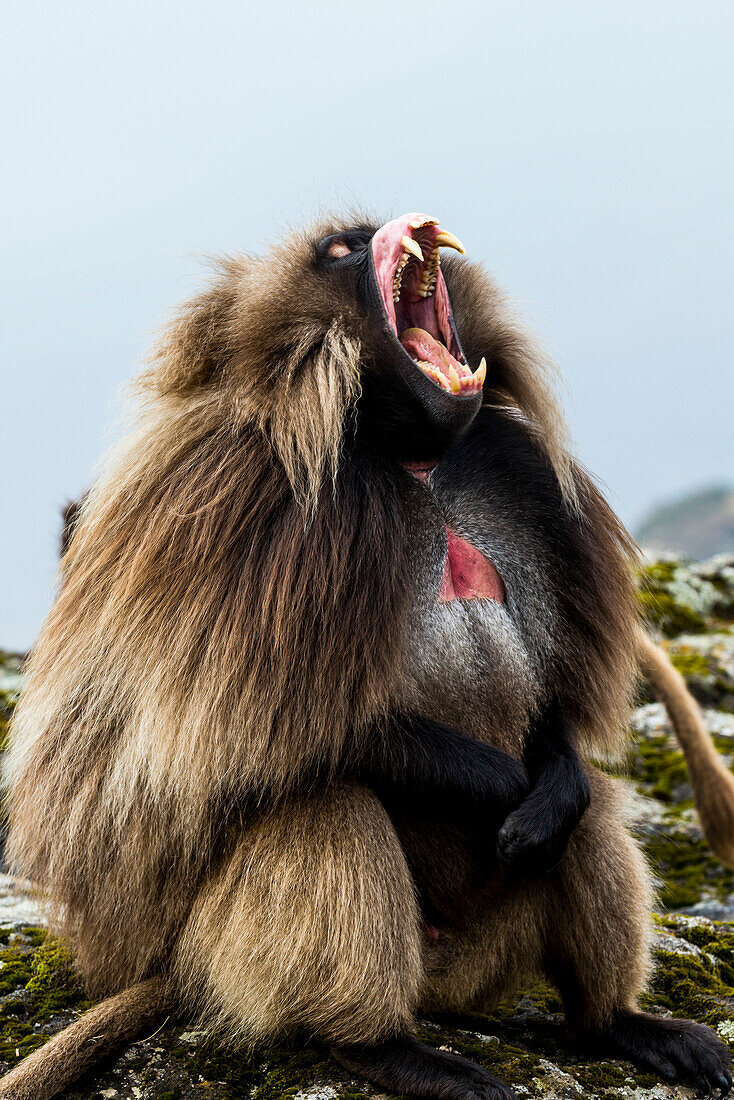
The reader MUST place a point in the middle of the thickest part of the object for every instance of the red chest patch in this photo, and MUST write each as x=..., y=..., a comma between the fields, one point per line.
x=467, y=574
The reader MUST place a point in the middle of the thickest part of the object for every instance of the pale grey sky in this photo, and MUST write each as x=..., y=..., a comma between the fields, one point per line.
x=582, y=150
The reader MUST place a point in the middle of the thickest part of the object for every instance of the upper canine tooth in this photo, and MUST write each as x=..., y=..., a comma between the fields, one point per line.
x=448, y=240
x=421, y=220
x=412, y=246
x=481, y=372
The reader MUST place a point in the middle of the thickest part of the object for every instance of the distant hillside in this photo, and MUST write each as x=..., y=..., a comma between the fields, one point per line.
x=698, y=525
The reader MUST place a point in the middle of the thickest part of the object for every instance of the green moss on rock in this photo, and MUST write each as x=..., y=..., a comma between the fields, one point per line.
x=663, y=611
x=698, y=984
x=690, y=986
x=659, y=767
x=37, y=986
x=680, y=597
x=15, y=968
x=686, y=870
x=690, y=663
x=53, y=985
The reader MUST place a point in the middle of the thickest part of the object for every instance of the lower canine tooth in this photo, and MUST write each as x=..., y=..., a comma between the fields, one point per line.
x=481, y=372
x=455, y=380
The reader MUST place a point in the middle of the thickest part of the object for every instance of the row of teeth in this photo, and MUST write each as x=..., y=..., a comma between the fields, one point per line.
x=469, y=383
x=455, y=383
x=398, y=277
x=429, y=274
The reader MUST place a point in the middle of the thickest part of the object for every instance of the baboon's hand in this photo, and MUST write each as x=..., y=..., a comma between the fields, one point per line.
x=534, y=837
x=527, y=846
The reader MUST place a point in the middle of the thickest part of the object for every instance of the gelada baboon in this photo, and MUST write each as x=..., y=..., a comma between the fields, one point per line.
x=300, y=746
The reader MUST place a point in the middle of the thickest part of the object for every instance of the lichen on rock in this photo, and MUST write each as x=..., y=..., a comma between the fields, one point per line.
x=680, y=596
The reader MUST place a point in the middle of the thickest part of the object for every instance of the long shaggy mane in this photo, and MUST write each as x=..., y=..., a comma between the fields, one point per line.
x=233, y=600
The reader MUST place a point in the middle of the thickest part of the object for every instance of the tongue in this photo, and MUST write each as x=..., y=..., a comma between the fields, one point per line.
x=421, y=346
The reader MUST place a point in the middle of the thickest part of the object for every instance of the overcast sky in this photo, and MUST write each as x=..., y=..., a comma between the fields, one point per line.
x=583, y=151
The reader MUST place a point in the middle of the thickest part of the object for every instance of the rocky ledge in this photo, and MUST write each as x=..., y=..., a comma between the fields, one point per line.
x=691, y=605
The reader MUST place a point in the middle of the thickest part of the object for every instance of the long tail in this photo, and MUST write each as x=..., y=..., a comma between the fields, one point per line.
x=712, y=782
x=63, y=1059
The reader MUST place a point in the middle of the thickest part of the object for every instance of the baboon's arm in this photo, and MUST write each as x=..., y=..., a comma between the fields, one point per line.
x=424, y=762
x=534, y=837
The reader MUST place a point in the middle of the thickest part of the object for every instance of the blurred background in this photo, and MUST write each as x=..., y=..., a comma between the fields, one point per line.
x=582, y=151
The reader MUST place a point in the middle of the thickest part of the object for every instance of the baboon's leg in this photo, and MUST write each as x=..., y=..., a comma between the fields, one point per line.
x=486, y=950
x=485, y=926
x=311, y=924
x=599, y=914
x=597, y=952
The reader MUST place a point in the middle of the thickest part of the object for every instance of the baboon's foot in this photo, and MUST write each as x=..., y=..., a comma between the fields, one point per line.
x=678, y=1050
x=407, y=1066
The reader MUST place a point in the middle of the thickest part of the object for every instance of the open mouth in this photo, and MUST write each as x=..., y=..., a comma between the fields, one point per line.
x=406, y=254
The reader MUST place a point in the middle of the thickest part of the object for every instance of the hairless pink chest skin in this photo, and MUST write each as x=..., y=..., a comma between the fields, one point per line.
x=467, y=574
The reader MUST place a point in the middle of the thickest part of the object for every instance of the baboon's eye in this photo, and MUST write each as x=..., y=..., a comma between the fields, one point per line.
x=342, y=247
x=337, y=248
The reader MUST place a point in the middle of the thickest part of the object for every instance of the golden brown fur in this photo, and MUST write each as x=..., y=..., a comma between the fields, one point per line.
x=196, y=593
x=312, y=925
x=233, y=614
x=195, y=577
